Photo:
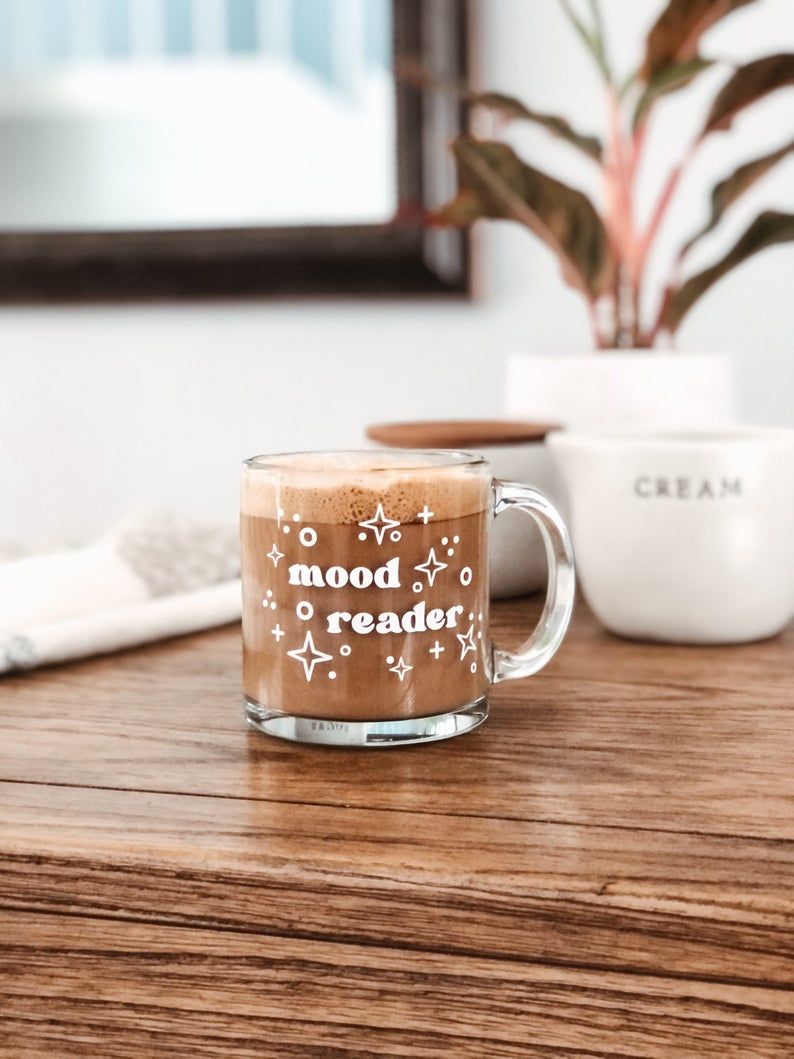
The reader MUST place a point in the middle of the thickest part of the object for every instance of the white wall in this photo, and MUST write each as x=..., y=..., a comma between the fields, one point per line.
x=105, y=408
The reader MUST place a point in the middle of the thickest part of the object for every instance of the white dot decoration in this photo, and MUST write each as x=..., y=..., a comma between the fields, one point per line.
x=308, y=536
x=418, y=586
x=331, y=674
x=473, y=667
x=471, y=616
x=396, y=535
x=479, y=616
x=296, y=518
x=285, y=528
x=479, y=635
x=269, y=593
x=345, y=649
x=362, y=536
x=456, y=539
x=389, y=660
x=272, y=606
x=445, y=540
x=304, y=610
x=281, y=512
x=466, y=575
x=450, y=552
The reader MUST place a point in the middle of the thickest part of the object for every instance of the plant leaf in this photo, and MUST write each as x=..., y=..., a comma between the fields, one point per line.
x=747, y=85
x=667, y=80
x=766, y=230
x=734, y=186
x=514, y=108
x=495, y=183
x=414, y=74
x=592, y=38
x=675, y=36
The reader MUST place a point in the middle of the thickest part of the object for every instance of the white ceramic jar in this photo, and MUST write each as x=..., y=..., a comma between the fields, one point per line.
x=683, y=537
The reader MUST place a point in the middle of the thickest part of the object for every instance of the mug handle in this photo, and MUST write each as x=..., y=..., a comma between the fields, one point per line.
x=547, y=636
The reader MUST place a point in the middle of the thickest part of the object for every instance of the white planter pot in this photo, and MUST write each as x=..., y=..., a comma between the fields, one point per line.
x=621, y=388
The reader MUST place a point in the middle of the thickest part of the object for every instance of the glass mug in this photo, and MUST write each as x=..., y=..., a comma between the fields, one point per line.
x=365, y=594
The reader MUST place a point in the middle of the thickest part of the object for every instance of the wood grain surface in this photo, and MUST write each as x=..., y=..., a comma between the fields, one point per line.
x=605, y=868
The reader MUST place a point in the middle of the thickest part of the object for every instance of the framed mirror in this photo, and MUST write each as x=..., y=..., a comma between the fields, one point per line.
x=166, y=148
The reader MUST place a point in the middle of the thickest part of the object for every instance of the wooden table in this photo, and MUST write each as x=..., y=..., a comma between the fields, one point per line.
x=605, y=868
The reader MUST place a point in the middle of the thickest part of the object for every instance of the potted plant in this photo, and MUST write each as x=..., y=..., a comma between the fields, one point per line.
x=603, y=249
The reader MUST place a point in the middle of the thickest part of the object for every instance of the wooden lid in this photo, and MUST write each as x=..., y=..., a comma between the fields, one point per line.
x=457, y=433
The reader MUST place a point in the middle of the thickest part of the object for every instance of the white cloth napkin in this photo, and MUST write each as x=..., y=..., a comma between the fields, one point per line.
x=156, y=575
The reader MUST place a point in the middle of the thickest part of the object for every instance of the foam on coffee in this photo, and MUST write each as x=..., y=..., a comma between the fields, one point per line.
x=346, y=488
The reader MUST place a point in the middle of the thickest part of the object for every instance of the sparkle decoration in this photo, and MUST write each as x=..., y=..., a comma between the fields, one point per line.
x=304, y=610
x=274, y=555
x=436, y=650
x=425, y=514
x=465, y=576
x=466, y=641
x=401, y=668
x=308, y=537
x=278, y=632
x=379, y=524
x=309, y=656
x=268, y=600
x=431, y=566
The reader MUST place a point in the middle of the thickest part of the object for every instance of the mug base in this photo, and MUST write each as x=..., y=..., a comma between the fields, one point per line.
x=328, y=732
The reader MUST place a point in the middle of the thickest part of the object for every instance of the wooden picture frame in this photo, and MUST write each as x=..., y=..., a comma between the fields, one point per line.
x=401, y=258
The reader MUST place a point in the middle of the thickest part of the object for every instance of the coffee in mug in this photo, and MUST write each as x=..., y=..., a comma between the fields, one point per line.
x=365, y=594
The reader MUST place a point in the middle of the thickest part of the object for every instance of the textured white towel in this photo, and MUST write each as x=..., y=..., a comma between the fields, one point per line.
x=154, y=576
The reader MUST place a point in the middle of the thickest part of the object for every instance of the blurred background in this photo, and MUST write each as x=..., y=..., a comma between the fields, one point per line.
x=274, y=133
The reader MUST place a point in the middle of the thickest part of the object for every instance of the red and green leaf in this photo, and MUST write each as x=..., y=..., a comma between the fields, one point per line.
x=746, y=86
x=669, y=79
x=675, y=36
x=734, y=186
x=513, y=108
x=768, y=229
x=495, y=183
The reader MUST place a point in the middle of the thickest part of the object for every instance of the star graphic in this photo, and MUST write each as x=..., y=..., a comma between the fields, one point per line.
x=379, y=524
x=275, y=555
x=436, y=650
x=401, y=669
x=431, y=567
x=467, y=642
x=309, y=656
x=425, y=514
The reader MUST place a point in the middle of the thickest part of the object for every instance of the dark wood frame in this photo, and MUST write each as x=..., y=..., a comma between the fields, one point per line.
x=402, y=258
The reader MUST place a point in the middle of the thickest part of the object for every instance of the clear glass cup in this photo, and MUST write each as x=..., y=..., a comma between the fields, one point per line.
x=365, y=594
